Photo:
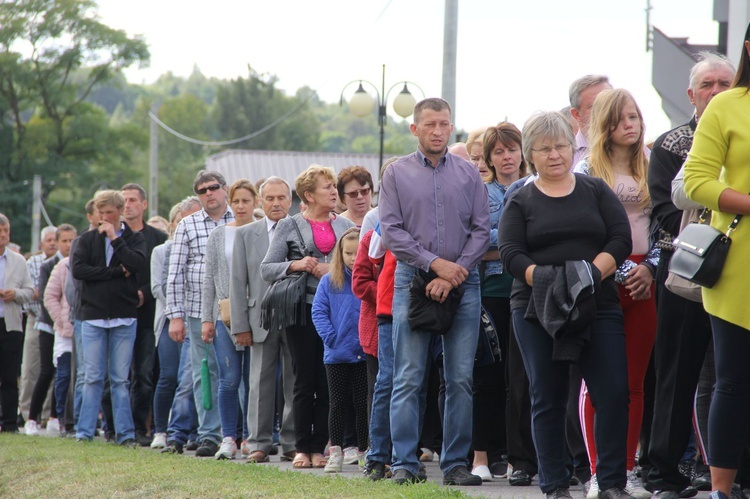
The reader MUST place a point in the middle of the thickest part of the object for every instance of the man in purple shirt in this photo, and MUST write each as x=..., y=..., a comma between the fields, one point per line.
x=435, y=216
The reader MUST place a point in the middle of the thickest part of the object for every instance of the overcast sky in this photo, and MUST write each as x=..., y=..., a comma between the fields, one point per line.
x=513, y=57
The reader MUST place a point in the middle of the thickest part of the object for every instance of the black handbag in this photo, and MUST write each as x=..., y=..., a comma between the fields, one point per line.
x=284, y=303
x=426, y=314
x=701, y=251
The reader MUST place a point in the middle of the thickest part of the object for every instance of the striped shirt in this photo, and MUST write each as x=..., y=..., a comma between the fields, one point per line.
x=187, y=263
x=34, y=263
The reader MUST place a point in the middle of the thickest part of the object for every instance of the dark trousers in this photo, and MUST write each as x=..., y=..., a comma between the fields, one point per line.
x=46, y=376
x=347, y=383
x=142, y=377
x=11, y=351
x=728, y=425
x=521, y=451
x=310, y=403
x=682, y=335
x=372, y=375
x=604, y=367
x=489, y=389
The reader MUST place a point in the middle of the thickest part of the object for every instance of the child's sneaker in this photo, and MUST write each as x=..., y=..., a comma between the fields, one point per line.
x=335, y=460
x=227, y=450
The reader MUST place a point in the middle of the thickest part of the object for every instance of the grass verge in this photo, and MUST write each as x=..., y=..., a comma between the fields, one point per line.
x=59, y=467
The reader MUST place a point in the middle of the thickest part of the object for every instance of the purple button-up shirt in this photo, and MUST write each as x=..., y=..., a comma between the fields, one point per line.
x=428, y=212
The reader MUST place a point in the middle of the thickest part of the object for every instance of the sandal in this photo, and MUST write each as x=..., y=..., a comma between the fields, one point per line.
x=301, y=460
x=257, y=456
x=319, y=460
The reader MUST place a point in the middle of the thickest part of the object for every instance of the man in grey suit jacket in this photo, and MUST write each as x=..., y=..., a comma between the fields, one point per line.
x=266, y=348
x=16, y=288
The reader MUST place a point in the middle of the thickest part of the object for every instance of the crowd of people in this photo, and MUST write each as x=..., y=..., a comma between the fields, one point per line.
x=504, y=307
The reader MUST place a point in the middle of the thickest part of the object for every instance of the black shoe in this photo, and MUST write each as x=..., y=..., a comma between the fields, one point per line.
x=274, y=450
x=665, y=494
x=688, y=491
x=614, y=493
x=172, y=448
x=109, y=436
x=520, y=478
x=130, y=443
x=559, y=494
x=206, y=449
x=702, y=480
x=143, y=439
x=461, y=477
x=404, y=476
x=422, y=473
x=499, y=469
x=191, y=445
x=574, y=481
x=374, y=470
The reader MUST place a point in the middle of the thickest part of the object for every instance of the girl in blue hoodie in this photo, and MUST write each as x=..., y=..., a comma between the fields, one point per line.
x=335, y=313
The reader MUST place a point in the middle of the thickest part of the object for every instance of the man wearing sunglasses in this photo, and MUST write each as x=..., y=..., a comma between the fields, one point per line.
x=184, y=285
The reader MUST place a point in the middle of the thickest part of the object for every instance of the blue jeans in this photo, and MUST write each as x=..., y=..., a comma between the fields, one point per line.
x=113, y=346
x=234, y=368
x=183, y=418
x=604, y=368
x=80, y=371
x=412, y=353
x=62, y=383
x=380, y=422
x=209, y=422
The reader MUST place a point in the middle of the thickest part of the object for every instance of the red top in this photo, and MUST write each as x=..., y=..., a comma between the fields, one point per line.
x=364, y=287
x=385, y=285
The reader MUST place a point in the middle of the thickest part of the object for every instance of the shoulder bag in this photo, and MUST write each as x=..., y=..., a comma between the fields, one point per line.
x=283, y=305
x=701, y=251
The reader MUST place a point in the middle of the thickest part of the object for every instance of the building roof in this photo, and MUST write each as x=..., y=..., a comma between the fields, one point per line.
x=255, y=165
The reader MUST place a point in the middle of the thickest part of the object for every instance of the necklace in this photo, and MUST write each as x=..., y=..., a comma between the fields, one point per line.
x=572, y=186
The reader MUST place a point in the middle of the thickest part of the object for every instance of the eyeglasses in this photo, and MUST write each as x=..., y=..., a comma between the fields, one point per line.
x=546, y=151
x=212, y=188
x=355, y=194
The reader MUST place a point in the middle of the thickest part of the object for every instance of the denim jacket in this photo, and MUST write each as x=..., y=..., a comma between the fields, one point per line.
x=496, y=194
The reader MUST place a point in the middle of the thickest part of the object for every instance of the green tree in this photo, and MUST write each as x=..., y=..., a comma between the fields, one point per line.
x=53, y=54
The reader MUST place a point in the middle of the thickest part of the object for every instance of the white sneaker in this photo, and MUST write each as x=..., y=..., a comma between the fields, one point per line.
x=227, y=450
x=482, y=471
x=335, y=460
x=634, y=488
x=31, y=428
x=159, y=441
x=350, y=455
x=53, y=426
x=593, y=492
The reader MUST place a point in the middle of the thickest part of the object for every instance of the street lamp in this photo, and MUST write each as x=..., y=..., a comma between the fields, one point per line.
x=361, y=104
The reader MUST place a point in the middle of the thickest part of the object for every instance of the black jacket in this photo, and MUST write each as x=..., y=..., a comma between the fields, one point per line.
x=106, y=292
x=153, y=237
x=563, y=301
x=44, y=272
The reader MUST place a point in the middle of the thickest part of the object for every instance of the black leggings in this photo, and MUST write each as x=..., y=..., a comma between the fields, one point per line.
x=46, y=376
x=347, y=382
x=729, y=419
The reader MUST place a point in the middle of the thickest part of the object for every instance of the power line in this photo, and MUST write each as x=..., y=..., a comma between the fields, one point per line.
x=233, y=141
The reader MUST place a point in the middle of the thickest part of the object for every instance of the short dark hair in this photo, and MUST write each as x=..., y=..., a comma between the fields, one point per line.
x=135, y=187
x=433, y=103
x=207, y=176
x=742, y=78
x=358, y=173
x=90, y=207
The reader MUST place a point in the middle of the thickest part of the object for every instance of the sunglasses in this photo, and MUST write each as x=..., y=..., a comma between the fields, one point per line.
x=355, y=194
x=212, y=188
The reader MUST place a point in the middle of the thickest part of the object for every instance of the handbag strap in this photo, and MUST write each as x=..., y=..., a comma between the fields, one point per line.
x=301, y=239
x=730, y=229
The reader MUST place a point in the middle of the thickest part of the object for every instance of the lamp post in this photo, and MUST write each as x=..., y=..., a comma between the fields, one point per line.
x=361, y=104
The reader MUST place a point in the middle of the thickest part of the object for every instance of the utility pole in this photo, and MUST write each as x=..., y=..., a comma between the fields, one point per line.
x=450, y=42
x=153, y=178
x=36, y=208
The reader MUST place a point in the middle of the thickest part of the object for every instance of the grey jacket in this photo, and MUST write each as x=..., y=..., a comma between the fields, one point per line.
x=216, y=278
x=247, y=288
x=285, y=245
